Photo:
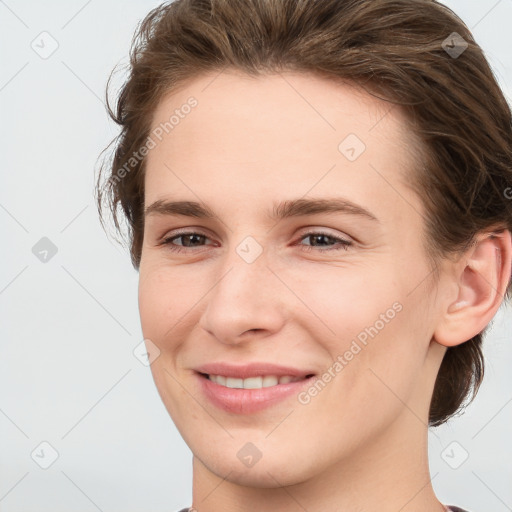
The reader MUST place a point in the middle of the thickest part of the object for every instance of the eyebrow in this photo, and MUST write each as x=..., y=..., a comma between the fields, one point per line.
x=282, y=210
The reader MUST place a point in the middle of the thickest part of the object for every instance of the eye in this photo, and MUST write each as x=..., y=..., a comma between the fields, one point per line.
x=318, y=237
x=189, y=240
x=320, y=240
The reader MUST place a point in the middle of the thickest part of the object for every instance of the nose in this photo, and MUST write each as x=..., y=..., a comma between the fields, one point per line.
x=245, y=301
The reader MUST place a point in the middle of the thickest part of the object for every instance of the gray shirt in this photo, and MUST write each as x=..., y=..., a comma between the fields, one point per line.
x=451, y=508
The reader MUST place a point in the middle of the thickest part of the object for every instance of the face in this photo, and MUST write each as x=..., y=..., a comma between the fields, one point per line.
x=311, y=258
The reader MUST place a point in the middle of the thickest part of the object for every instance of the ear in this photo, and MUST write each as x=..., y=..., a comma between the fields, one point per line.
x=481, y=278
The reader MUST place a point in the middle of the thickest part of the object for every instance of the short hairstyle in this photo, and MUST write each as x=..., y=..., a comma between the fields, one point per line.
x=406, y=52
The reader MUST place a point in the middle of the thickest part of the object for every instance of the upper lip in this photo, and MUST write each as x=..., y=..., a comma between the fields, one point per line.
x=251, y=370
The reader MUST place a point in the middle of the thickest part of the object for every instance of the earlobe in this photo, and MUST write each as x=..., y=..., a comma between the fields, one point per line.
x=481, y=275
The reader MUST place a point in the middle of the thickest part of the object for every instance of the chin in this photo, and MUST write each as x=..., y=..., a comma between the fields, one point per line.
x=269, y=472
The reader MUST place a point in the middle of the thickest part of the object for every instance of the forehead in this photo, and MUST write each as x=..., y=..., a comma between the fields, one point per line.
x=272, y=101
x=288, y=132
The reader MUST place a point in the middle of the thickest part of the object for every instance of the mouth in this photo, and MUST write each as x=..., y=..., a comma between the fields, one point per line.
x=254, y=382
x=252, y=394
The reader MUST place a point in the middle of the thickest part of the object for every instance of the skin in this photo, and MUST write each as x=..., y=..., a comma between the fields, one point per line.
x=361, y=443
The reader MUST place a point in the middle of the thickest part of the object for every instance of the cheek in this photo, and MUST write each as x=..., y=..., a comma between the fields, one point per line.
x=368, y=321
x=151, y=301
x=165, y=298
x=344, y=303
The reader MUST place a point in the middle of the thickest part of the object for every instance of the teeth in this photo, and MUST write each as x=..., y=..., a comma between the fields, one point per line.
x=252, y=382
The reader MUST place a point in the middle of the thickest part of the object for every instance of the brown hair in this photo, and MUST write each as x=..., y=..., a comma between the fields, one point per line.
x=396, y=50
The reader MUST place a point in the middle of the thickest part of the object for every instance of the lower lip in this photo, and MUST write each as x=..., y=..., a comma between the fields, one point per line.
x=248, y=401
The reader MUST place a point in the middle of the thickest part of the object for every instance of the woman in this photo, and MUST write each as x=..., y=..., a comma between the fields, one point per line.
x=316, y=196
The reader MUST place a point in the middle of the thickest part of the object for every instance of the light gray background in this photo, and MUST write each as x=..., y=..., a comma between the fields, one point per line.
x=68, y=326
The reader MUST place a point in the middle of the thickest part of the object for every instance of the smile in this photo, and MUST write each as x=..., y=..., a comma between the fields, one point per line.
x=258, y=382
